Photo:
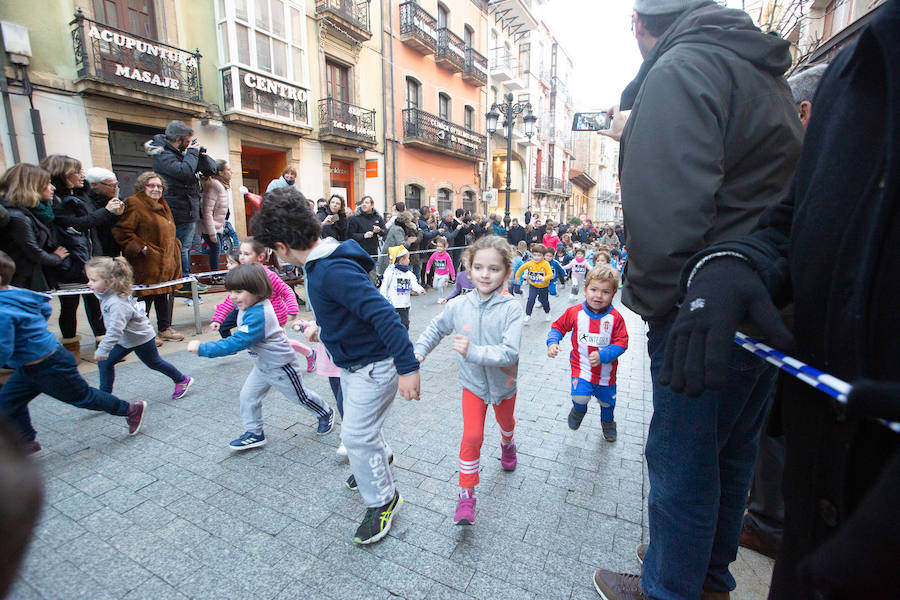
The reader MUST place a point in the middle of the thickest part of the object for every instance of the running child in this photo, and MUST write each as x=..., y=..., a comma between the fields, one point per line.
x=399, y=282
x=488, y=327
x=127, y=327
x=443, y=267
x=42, y=365
x=599, y=337
x=326, y=368
x=540, y=273
x=464, y=284
x=515, y=287
x=363, y=335
x=274, y=361
x=578, y=268
x=559, y=272
x=283, y=299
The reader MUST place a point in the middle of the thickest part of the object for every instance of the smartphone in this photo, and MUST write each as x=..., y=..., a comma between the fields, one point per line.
x=591, y=121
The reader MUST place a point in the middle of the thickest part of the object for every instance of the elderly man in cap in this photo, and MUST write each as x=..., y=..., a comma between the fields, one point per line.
x=105, y=187
x=711, y=142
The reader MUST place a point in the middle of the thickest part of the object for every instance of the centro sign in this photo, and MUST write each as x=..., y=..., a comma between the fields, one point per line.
x=276, y=88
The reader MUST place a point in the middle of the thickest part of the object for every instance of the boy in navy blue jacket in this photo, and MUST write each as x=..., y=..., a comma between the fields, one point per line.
x=42, y=365
x=364, y=337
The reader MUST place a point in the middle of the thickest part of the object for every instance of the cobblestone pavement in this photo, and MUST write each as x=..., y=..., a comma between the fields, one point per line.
x=172, y=513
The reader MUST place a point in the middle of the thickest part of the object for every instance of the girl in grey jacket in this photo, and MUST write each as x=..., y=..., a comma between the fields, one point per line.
x=127, y=326
x=488, y=327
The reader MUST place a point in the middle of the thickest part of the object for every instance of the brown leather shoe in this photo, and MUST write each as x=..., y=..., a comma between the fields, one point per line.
x=618, y=586
x=73, y=345
x=171, y=334
x=641, y=553
x=752, y=540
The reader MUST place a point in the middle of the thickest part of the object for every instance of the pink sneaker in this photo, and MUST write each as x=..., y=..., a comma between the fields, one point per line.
x=135, y=416
x=508, y=456
x=181, y=388
x=311, y=361
x=465, y=509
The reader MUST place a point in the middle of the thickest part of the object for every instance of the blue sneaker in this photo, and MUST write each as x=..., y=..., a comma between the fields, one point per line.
x=326, y=424
x=248, y=440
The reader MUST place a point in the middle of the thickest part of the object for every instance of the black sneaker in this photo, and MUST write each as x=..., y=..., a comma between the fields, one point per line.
x=609, y=430
x=351, y=481
x=575, y=418
x=377, y=522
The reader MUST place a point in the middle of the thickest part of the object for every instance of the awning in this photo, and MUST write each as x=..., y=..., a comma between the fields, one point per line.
x=516, y=16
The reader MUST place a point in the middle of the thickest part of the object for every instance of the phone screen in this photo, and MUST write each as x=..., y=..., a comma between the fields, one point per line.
x=591, y=121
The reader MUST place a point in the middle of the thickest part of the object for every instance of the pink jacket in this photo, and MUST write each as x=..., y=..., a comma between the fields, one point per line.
x=283, y=301
x=213, y=208
x=448, y=264
x=551, y=241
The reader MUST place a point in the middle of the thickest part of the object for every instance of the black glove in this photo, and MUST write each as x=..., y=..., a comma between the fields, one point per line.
x=722, y=293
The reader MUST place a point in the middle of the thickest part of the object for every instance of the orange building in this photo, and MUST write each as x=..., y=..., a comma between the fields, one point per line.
x=435, y=73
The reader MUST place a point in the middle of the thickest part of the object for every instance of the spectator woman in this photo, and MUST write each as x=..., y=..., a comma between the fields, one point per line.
x=146, y=233
x=609, y=239
x=366, y=226
x=333, y=216
x=27, y=240
x=77, y=221
x=531, y=236
x=402, y=233
x=213, y=208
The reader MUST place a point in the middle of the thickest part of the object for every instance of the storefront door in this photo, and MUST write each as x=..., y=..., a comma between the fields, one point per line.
x=126, y=149
x=342, y=182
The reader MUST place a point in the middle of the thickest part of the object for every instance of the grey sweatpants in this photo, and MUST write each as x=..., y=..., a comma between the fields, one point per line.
x=368, y=393
x=285, y=379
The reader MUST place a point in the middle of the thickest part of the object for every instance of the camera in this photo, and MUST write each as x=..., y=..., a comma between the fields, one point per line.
x=202, y=149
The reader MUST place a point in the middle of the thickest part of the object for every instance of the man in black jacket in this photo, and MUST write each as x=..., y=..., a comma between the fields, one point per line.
x=833, y=248
x=516, y=233
x=104, y=188
x=175, y=157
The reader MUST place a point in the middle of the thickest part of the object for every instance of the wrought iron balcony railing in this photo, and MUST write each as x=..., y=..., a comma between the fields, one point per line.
x=451, y=51
x=114, y=56
x=421, y=128
x=553, y=184
x=476, y=70
x=418, y=29
x=339, y=119
x=352, y=15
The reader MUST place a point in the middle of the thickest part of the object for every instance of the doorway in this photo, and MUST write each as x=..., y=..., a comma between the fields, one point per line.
x=259, y=167
x=342, y=182
x=126, y=150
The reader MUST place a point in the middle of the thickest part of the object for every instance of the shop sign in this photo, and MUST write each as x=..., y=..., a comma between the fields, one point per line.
x=457, y=135
x=142, y=46
x=371, y=168
x=276, y=88
x=351, y=128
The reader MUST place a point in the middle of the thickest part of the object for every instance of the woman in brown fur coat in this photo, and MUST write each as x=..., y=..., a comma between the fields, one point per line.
x=146, y=233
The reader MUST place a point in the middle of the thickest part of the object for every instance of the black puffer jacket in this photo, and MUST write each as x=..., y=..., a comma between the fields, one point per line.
x=179, y=170
x=79, y=210
x=30, y=244
x=359, y=224
x=336, y=230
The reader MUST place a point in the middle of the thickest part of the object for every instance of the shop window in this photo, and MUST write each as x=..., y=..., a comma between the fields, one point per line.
x=412, y=197
x=412, y=93
x=134, y=16
x=443, y=201
x=444, y=106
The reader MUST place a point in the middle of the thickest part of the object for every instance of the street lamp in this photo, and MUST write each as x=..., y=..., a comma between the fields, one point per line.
x=509, y=111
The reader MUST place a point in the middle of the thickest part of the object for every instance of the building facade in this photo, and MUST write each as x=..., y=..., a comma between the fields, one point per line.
x=598, y=157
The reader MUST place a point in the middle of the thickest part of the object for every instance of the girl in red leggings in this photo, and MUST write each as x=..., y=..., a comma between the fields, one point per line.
x=488, y=326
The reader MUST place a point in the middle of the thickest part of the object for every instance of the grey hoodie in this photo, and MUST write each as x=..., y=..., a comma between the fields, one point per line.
x=126, y=322
x=494, y=328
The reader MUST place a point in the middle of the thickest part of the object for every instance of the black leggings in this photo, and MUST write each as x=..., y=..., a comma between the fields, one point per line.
x=163, y=303
x=68, y=315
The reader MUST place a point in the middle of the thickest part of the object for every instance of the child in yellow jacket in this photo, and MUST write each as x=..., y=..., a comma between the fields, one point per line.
x=540, y=274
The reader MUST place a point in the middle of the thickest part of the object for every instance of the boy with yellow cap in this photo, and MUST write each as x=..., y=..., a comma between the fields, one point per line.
x=399, y=283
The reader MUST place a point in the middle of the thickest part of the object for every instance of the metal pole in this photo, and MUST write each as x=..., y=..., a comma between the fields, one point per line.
x=509, y=124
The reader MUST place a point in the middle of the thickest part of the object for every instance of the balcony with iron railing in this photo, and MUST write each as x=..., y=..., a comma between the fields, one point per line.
x=451, y=51
x=113, y=62
x=425, y=130
x=505, y=69
x=553, y=185
x=418, y=29
x=341, y=121
x=476, y=71
x=350, y=15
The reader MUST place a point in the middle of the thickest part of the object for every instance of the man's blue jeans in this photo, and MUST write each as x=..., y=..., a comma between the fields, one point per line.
x=700, y=456
x=185, y=234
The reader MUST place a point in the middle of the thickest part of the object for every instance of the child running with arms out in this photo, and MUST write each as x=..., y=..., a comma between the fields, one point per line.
x=599, y=337
x=488, y=327
x=41, y=365
x=274, y=361
x=364, y=337
x=540, y=274
x=443, y=267
x=398, y=283
x=127, y=327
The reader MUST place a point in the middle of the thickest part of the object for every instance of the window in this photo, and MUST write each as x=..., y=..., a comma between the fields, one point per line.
x=469, y=121
x=413, y=197
x=443, y=16
x=443, y=200
x=444, y=106
x=337, y=83
x=134, y=16
x=412, y=93
x=468, y=36
x=468, y=201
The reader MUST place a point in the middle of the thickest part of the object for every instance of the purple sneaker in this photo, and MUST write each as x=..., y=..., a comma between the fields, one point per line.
x=311, y=362
x=31, y=447
x=181, y=387
x=508, y=456
x=135, y=416
x=465, y=509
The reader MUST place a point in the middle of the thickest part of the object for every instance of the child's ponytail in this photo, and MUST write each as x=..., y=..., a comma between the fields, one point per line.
x=116, y=272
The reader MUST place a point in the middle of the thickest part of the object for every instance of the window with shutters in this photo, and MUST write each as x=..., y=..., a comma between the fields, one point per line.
x=337, y=82
x=134, y=16
x=444, y=106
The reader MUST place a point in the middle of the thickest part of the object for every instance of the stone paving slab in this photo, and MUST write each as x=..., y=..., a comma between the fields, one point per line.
x=172, y=513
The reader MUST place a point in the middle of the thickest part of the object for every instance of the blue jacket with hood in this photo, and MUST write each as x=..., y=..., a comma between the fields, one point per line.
x=24, y=337
x=357, y=324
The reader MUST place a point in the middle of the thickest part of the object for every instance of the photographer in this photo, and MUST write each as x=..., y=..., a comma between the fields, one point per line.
x=175, y=157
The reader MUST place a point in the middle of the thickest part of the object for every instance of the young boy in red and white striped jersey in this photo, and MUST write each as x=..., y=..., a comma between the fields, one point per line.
x=599, y=337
